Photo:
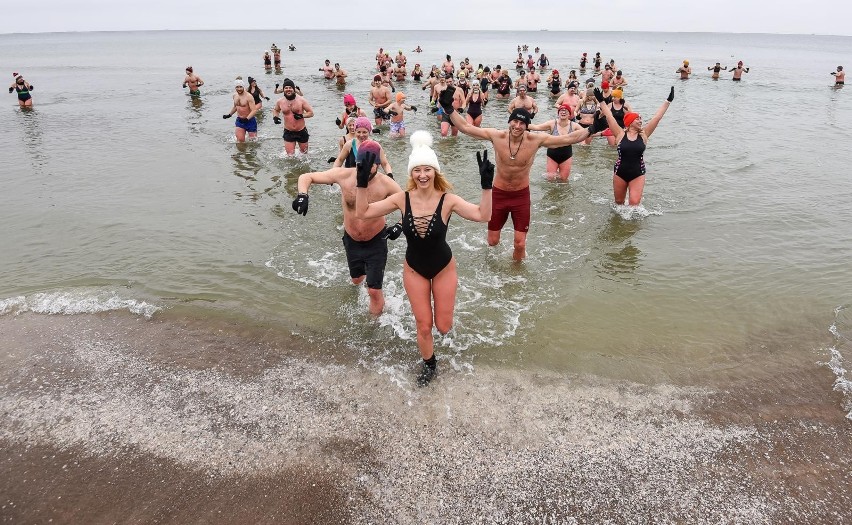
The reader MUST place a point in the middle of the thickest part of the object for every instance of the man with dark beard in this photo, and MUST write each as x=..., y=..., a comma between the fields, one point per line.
x=295, y=110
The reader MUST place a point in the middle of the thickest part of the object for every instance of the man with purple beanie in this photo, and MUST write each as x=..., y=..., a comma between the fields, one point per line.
x=365, y=240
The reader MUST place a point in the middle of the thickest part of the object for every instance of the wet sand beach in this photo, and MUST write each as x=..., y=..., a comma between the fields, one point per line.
x=113, y=418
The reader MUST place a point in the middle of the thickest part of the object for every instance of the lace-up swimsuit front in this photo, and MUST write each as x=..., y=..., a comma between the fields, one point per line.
x=428, y=252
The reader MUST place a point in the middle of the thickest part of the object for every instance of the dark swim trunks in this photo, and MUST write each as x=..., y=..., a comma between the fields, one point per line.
x=504, y=203
x=367, y=258
x=296, y=136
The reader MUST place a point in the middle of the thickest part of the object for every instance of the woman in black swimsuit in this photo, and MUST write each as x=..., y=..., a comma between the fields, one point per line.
x=473, y=105
x=559, y=159
x=628, y=179
x=257, y=93
x=22, y=88
x=429, y=271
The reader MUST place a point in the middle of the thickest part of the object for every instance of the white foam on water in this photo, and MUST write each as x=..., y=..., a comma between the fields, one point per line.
x=323, y=270
x=632, y=213
x=84, y=301
x=843, y=382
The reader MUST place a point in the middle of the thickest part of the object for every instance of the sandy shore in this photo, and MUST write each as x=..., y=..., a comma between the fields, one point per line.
x=113, y=418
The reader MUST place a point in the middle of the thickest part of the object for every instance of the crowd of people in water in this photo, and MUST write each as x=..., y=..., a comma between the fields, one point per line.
x=589, y=101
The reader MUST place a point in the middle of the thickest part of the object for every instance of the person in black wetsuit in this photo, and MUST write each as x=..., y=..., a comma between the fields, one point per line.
x=429, y=271
x=628, y=179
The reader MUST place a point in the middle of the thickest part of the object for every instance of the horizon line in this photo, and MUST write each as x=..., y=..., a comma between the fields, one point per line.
x=411, y=30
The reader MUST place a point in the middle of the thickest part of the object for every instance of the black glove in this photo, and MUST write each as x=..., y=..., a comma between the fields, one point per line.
x=31, y=87
x=461, y=110
x=413, y=108
x=298, y=116
x=10, y=89
x=445, y=99
x=486, y=170
x=226, y=116
x=377, y=131
x=276, y=86
x=431, y=110
x=393, y=232
x=599, y=95
x=331, y=160
x=363, y=169
x=393, y=89
x=338, y=121
x=13, y=87
x=390, y=174
x=600, y=123
x=300, y=203
x=267, y=98
x=276, y=120
x=671, y=95
x=392, y=113
x=832, y=73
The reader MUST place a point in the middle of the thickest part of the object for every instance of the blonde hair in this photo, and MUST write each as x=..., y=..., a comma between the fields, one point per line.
x=440, y=182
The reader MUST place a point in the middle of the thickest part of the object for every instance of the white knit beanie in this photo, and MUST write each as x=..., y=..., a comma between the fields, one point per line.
x=421, y=151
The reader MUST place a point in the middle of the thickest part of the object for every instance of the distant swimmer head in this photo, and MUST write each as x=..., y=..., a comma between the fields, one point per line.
x=422, y=153
x=618, y=73
x=400, y=96
x=377, y=78
x=555, y=72
x=840, y=68
x=567, y=109
x=617, y=93
x=462, y=74
x=367, y=147
x=686, y=62
x=189, y=69
x=327, y=61
x=288, y=84
x=250, y=80
x=238, y=83
x=629, y=117
x=604, y=85
x=348, y=100
x=363, y=123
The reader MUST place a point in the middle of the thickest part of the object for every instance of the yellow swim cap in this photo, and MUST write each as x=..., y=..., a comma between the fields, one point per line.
x=617, y=93
x=686, y=62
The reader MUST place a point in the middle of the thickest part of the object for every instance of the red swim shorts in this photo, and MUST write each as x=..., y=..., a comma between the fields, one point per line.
x=504, y=203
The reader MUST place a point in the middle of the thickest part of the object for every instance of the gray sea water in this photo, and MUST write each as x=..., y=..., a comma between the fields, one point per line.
x=118, y=192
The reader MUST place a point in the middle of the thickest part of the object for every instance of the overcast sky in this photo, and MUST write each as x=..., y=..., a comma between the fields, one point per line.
x=736, y=16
